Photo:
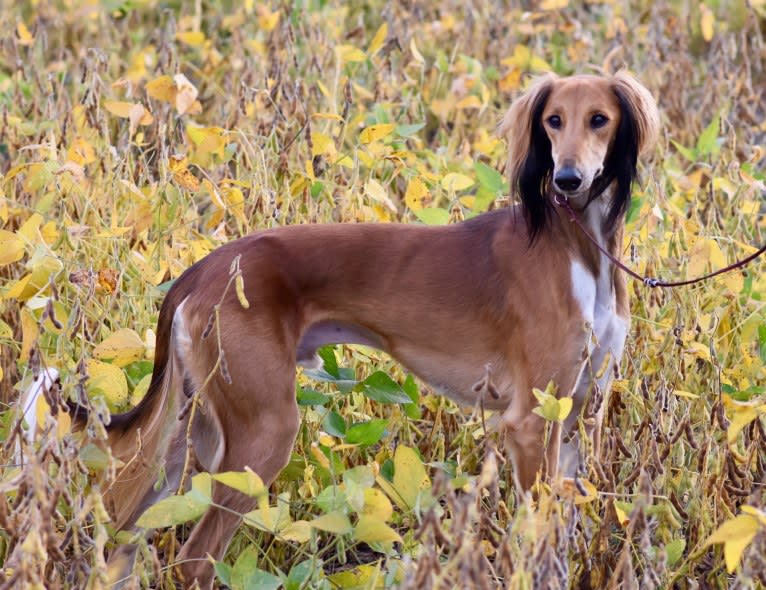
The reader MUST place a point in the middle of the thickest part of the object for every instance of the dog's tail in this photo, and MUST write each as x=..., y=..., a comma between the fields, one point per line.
x=137, y=437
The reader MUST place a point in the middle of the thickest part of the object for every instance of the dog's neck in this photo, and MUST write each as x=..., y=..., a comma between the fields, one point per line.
x=592, y=213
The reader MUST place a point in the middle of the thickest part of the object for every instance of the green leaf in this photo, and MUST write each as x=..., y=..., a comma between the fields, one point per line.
x=482, y=200
x=707, y=143
x=432, y=215
x=300, y=575
x=334, y=424
x=329, y=360
x=409, y=130
x=316, y=189
x=381, y=388
x=633, y=209
x=165, y=287
x=490, y=179
x=245, y=574
x=674, y=551
x=688, y=153
x=410, y=387
x=94, y=458
x=223, y=572
x=331, y=498
x=356, y=481
x=311, y=397
x=173, y=510
x=366, y=433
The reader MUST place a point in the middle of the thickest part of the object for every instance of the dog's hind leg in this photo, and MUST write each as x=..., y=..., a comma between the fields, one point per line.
x=257, y=420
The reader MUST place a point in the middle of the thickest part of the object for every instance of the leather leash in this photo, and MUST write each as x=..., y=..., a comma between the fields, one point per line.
x=564, y=203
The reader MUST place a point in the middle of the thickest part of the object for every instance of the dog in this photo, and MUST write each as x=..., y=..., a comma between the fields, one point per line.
x=515, y=298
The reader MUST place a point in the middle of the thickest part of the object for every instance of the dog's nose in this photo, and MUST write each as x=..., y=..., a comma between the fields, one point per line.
x=568, y=179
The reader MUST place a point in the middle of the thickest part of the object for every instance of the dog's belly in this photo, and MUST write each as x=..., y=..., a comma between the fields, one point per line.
x=456, y=376
x=461, y=379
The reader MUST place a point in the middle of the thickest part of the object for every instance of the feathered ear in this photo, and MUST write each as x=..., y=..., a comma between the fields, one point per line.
x=641, y=108
x=529, y=161
x=636, y=136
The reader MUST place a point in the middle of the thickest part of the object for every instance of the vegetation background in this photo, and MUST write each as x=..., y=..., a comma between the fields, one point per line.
x=137, y=136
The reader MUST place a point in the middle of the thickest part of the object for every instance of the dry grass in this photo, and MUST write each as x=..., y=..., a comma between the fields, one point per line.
x=104, y=209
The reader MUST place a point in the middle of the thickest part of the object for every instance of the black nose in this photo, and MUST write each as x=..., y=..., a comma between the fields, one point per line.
x=568, y=179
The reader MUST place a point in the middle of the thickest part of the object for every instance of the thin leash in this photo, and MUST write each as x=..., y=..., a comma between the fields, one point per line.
x=564, y=203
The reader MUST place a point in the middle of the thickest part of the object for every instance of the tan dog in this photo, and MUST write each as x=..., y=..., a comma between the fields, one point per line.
x=521, y=293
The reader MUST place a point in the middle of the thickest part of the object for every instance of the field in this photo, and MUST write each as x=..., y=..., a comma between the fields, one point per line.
x=137, y=136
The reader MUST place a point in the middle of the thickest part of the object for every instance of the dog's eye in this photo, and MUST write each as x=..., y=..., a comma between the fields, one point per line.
x=554, y=121
x=597, y=121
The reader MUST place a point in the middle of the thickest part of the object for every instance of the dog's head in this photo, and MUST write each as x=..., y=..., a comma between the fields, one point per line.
x=577, y=136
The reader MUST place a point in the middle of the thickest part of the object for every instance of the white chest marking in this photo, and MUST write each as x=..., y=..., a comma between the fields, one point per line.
x=598, y=305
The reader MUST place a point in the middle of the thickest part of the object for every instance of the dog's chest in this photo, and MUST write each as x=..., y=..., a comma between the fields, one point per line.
x=596, y=297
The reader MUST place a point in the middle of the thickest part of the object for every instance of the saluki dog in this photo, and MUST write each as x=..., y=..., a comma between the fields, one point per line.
x=518, y=293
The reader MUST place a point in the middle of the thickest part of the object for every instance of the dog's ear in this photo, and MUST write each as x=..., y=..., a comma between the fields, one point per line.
x=636, y=136
x=530, y=164
x=638, y=105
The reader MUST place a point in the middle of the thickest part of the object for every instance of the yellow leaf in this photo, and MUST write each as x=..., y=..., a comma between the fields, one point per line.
x=375, y=132
x=30, y=330
x=349, y=54
x=685, y=394
x=707, y=20
x=162, y=88
x=328, y=116
x=377, y=504
x=698, y=350
x=524, y=59
x=267, y=20
x=416, y=52
x=454, y=181
x=321, y=144
x=572, y=489
x=235, y=202
x=378, y=193
x=208, y=140
x=81, y=152
x=410, y=479
x=248, y=482
x=193, y=38
x=63, y=425
x=186, y=95
x=735, y=534
x=119, y=108
x=23, y=36
x=121, y=347
x=370, y=529
x=753, y=511
x=553, y=4
x=298, y=531
x=469, y=102
x=378, y=39
x=30, y=229
x=361, y=577
x=109, y=381
x=334, y=522
x=416, y=194
x=622, y=516
x=11, y=247
x=740, y=415
x=565, y=406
